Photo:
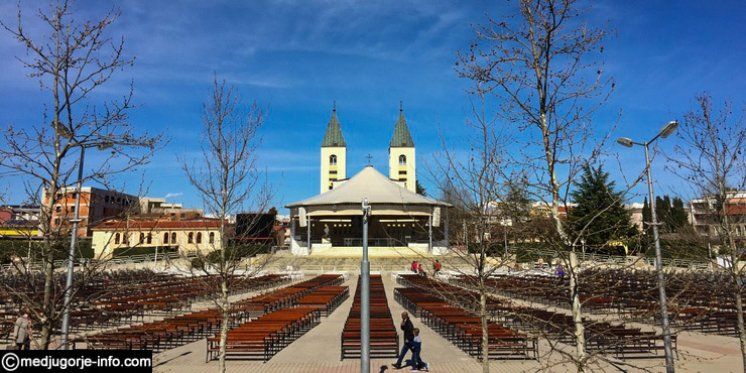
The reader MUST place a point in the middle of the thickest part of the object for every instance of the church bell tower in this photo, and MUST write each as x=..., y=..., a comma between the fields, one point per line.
x=333, y=154
x=402, y=166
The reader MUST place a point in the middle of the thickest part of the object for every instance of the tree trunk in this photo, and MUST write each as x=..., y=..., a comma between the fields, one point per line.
x=577, y=316
x=739, y=312
x=225, y=308
x=485, y=330
x=47, y=309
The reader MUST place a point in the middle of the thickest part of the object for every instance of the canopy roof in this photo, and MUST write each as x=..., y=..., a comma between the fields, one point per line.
x=370, y=184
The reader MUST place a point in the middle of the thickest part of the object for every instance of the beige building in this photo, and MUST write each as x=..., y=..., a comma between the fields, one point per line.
x=184, y=236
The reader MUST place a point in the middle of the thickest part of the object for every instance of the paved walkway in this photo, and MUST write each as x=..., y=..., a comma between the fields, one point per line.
x=319, y=351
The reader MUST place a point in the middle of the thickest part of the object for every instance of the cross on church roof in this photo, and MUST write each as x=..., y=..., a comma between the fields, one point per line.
x=370, y=157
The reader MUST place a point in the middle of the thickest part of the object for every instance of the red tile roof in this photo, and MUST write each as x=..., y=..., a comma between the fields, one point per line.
x=153, y=224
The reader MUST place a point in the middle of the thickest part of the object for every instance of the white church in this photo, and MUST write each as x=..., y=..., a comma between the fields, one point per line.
x=401, y=220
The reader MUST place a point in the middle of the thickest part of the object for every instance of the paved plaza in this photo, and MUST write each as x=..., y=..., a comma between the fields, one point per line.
x=319, y=351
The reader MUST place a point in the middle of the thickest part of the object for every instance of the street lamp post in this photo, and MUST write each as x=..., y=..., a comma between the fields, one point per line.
x=664, y=132
x=365, y=295
x=73, y=244
x=71, y=254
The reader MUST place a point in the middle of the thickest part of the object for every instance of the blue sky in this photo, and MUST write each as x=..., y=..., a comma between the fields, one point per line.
x=296, y=57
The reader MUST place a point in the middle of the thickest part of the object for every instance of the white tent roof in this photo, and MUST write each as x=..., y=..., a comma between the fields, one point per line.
x=371, y=184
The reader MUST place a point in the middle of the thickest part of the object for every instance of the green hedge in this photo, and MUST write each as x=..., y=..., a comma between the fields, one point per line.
x=129, y=251
x=20, y=247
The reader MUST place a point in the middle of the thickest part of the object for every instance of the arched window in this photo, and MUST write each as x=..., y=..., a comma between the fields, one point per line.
x=212, y=237
x=165, y=237
x=333, y=160
x=402, y=160
x=117, y=238
x=150, y=238
x=190, y=237
x=199, y=237
x=142, y=238
x=173, y=238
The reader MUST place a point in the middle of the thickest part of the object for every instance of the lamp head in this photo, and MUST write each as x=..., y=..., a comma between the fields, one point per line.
x=626, y=141
x=669, y=128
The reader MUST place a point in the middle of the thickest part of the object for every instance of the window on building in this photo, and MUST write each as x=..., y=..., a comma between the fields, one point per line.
x=199, y=237
x=404, y=179
x=402, y=160
x=173, y=237
x=212, y=237
x=142, y=238
x=117, y=238
x=56, y=221
x=333, y=160
x=165, y=237
x=190, y=237
x=150, y=238
x=58, y=208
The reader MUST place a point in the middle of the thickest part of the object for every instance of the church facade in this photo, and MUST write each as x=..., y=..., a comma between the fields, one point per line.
x=400, y=217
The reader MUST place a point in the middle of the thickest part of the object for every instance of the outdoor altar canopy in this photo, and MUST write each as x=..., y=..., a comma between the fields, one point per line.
x=399, y=218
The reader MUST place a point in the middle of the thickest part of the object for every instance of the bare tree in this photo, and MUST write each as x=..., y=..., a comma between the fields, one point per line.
x=711, y=158
x=71, y=62
x=476, y=187
x=227, y=179
x=540, y=65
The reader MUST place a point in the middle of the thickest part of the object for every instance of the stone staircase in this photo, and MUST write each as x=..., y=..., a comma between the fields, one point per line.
x=283, y=261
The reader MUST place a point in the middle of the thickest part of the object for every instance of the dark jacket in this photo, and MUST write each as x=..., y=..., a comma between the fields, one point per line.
x=408, y=330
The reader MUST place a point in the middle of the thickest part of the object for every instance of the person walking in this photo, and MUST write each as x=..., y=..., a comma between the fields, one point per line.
x=436, y=267
x=417, y=363
x=408, y=329
x=560, y=270
x=414, y=266
x=22, y=332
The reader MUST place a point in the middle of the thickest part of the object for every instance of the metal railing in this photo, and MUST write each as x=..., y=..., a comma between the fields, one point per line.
x=130, y=259
x=618, y=259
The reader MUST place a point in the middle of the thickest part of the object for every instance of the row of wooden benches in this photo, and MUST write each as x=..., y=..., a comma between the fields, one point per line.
x=173, y=331
x=706, y=307
x=384, y=339
x=615, y=339
x=464, y=328
x=262, y=338
x=104, y=302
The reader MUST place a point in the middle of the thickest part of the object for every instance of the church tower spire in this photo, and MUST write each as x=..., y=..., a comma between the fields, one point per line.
x=402, y=166
x=333, y=153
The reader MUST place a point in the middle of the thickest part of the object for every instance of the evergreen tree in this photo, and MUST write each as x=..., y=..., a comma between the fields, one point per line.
x=679, y=216
x=419, y=188
x=672, y=214
x=600, y=208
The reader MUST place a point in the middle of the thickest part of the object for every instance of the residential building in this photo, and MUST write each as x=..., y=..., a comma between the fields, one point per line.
x=704, y=218
x=19, y=221
x=159, y=208
x=96, y=205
